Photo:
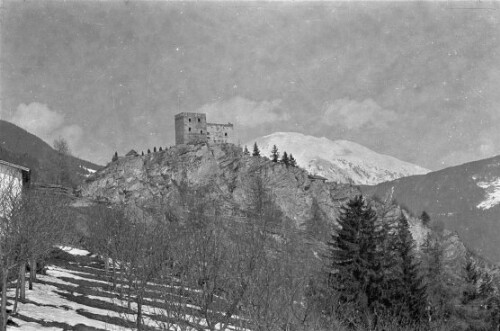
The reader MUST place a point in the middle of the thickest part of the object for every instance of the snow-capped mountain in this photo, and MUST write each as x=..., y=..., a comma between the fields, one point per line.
x=340, y=161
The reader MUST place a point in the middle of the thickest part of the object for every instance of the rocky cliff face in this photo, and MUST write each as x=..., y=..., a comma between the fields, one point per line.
x=159, y=178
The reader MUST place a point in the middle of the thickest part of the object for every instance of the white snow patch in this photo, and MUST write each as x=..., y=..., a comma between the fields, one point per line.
x=59, y=272
x=88, y=169
x=45, y=295
x=30, y=326
x=74, y=251
x=492, y=196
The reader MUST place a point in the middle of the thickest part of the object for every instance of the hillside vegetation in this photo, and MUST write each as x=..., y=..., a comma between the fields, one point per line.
x=206, y=237
x=219, y=195
x=464, y=199
x=21, y=147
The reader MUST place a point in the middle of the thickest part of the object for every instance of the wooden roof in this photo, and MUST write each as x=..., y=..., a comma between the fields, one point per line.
x=132, y=153
x=12, y=165
x=317, y=177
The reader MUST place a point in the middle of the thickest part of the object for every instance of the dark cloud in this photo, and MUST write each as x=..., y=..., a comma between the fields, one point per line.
x=417, y=80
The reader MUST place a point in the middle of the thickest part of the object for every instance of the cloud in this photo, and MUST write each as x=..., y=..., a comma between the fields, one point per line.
x=244, y=112
x=355, y=115
x=40, y=120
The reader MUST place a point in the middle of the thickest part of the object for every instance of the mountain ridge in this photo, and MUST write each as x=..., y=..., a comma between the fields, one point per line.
x=464, y=198
x=24, y=148
x=340, y=161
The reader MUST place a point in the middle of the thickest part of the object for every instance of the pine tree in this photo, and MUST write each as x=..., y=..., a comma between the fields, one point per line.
x=142, y=153
x=256, y=151
x=284, y=159
x=406, y=286
x=149, y=151
x=479, y=297
x=355, y=272
x=292, y=161
x=425, y=218
x=245, y=151
x=161, y=149
x=442, y=295
x=275, y=154
x=115, y=157
x=154, y=149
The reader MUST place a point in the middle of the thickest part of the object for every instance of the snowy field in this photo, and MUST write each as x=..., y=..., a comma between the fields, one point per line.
x=75, y=295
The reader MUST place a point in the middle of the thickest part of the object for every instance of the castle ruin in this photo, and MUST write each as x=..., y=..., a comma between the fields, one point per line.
x=193, y=128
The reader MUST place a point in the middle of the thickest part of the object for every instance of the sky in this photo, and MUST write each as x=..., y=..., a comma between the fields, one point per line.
x=419, y=81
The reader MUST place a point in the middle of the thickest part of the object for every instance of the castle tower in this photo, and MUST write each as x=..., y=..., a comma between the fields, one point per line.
x=190, y=128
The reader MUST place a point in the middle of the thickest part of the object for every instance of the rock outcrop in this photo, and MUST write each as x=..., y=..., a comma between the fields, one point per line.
x=159, y=177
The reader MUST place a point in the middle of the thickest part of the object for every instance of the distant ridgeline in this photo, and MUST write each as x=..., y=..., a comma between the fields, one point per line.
x=193, y=128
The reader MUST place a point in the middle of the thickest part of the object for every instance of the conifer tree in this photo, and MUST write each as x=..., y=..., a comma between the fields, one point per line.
x=425, y=218
x=355, y=273
x=407, y=288
x=275, y=154
x=149, y=151
x=142, y=153
x=115, y=157
x=441, y=294
x=154, y=149
x=245, y=151
x=256, y=151
x=292, y=161
x=284, y=159
x=161, y=149
x=480, y=304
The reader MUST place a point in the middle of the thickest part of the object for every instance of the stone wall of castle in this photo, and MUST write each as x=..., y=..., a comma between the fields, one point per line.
x=193, y=128
x=220, y=133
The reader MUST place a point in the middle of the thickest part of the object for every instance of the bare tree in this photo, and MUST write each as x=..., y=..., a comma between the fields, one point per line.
x=63, y=174
x=244, y=272
x=31, y=223
x=10, y=196
x=42, y=219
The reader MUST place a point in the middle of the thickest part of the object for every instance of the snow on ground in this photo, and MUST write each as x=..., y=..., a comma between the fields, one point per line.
x=30, y=326
x=492, y=193
x=88, y=169
x=74, y=251
x=57, y=272
x=49, y=306
x=60, y=300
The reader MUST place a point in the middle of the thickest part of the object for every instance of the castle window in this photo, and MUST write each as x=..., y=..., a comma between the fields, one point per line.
x=199, y=120
x=225, y=134
x=190, y=121
x=201, y=131
x=190, y=128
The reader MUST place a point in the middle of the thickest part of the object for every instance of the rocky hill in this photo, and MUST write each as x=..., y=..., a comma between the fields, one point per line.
x=466, y=198
x=161, y=178
x=340, y=161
